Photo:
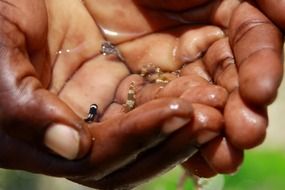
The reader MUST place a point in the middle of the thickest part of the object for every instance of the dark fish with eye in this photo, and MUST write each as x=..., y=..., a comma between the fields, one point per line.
x=92, y=114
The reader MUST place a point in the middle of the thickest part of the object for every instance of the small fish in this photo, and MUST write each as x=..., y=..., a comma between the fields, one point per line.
x=92, y=115
x=131, y=99
x=154, y=74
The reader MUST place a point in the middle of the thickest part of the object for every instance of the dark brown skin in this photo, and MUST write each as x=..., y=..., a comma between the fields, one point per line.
x=40, y=86
x=273, y=9
x=255, y=51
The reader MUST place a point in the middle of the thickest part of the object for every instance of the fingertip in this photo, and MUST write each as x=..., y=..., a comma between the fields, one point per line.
x=245, y=126
x=260, y=77
x=210, y=95
x=222, y=156
x=63, y=140
x=174, y=113
x=66, y=141
x=197, y=166
x=174, y=123
x=207, y=123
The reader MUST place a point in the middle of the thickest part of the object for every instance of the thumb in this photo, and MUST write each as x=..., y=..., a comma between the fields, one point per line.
x=33, y=114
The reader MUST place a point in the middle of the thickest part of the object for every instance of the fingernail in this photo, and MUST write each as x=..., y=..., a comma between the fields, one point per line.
x=63, y=140
x=206, y=136
x=174, y=124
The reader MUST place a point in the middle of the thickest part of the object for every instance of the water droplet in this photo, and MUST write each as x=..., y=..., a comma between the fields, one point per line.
x=63, y=51
x=174, y=106
x=110, y=32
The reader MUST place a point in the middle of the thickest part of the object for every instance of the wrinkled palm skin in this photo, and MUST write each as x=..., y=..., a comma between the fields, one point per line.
x=229, y=53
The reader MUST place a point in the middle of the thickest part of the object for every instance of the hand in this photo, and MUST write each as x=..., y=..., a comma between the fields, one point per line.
x=256, y=45
x=246, y=43
x=51, y=73
x=61, y=84
x=158, y=29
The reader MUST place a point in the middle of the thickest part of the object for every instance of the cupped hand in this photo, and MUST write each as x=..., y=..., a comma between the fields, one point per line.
x=248, y=63
x=52, y=70
x=62, y=73
x=238, y=46
x=225, y=50
x=231, y=44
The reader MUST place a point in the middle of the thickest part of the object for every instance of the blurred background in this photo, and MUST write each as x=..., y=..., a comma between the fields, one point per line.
x=263, y=167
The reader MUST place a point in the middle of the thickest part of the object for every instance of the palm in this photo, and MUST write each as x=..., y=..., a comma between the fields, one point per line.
x=82, y=76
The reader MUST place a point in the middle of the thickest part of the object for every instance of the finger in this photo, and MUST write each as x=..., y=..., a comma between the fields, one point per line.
x=122, y=138
x=219, y=61
x=172, y=5
x=137, y=21
x=205, y=125
x=149, y=91
x=196, y=68
x=194, y=42
x=198, y=166
x=125, y=137
x=245, y=125
x=222, y=11
x=222, y=156
x=28, y=110
x=178, y=46
x=72, y=46
x=208, y=94
x=211, y=95
x=178, y=86
x=273, y=9
x=189, y=87
x=113, y=111
x=43, y=162
x=217, y=13
x=260, y=63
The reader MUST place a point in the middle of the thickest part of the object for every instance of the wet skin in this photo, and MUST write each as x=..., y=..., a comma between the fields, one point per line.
x=52, y=71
